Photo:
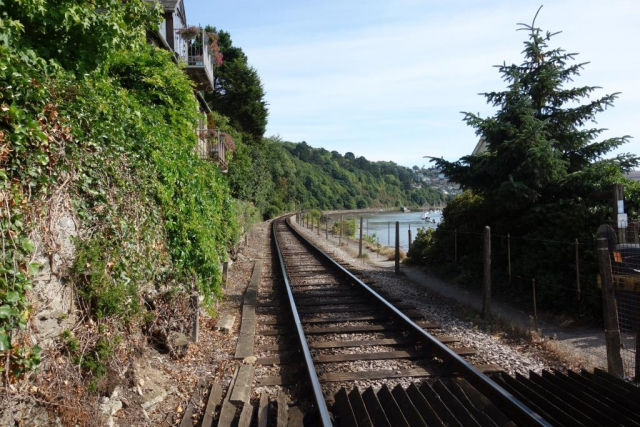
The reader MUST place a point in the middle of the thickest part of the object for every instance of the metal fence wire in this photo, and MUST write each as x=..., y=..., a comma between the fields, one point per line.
x=624, y=247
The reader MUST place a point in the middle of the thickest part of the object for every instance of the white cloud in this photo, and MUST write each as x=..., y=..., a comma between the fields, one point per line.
x=388, y=80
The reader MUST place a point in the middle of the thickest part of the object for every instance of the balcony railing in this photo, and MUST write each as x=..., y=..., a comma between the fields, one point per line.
x=193, y=48
x=214, y=145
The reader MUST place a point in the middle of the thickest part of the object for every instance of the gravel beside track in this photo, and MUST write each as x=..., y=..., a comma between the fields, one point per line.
x=519, y=358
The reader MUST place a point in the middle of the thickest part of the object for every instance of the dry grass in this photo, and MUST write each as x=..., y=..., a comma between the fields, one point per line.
x=552, y=351
x=391, y=253
x=568, y=357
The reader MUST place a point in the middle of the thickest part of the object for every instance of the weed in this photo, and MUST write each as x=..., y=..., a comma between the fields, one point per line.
x=70, y=341
x=95, y=360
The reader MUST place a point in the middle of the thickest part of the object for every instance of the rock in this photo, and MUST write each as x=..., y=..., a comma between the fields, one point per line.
x=178, y=339
x=158, y=397
x=111, y=406
x=250, y=360
x=109, y=409
x=116, y=392
x=50, y=291
x=23, y=413
x=225, y=323
x=178, y=344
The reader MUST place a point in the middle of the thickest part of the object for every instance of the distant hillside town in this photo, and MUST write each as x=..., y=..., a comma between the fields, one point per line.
x=434, y=178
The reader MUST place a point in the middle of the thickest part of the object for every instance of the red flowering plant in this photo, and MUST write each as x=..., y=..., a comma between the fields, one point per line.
x=228, y=141
x=215, y=48
x=189, y=33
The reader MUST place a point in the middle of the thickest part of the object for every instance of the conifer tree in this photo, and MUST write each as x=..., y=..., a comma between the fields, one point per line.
x=541, y=151
x=545, y=157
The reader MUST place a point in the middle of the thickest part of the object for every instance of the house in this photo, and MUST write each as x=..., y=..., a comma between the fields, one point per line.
x=196, y=49
x=633, y=175
x=481, y=147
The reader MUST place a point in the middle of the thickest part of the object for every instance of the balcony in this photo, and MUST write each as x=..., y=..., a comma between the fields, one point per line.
x=213, y=145
x=193, y=46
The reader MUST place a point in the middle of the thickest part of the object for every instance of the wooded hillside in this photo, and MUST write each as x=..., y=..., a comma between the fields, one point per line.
x=278, y=176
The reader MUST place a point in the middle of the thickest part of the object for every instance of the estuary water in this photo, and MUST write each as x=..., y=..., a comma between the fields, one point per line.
x=384, y=226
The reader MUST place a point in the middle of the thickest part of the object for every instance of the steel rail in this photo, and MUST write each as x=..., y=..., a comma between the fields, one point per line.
x=512, y=406
x=325, y=416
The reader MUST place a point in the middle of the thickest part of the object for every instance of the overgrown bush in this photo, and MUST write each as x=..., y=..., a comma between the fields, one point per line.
x=32, y=143
x=161, y=214
x=348, y=227
x=315, y=215
x=247, y=215
x=113, y=127
x=420, y=246
x=370, y=238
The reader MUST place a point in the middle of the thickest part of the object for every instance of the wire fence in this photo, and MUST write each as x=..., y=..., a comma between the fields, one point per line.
x=561, y=267
x=549, y=275
x=625, y=270
x=556, y=275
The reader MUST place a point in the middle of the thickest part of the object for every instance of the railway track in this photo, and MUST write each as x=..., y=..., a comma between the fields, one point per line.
x=332, y=308
x=348, y=354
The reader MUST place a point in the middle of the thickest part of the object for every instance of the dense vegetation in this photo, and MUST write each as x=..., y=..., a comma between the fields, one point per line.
x=115, y=133
x=238, y=93
x=278, y=176
x=535, y=180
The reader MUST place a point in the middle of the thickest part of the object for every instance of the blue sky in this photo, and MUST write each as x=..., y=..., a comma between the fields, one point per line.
x=388, y=79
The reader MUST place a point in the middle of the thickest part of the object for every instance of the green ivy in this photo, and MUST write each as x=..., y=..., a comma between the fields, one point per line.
x=115, y=124
x=27, y=161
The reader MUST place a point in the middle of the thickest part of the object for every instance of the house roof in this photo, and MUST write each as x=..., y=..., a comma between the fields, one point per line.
x=169, y=4
x=634, y=175
x=481, y=147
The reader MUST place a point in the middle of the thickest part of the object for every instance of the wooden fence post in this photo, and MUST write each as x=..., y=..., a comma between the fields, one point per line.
x=455, y=246
x=409, y=238
x=341, y=230
x=360, y=243
x=195, y=327
x=637, y=376
x=611, y=328
x=389, y=233
x=577, y=270
x=618, y=199
x=225, y=272
x=535, y=305
x=326, y=228
x=509, y=255
x=397, y=263
x=486, y=294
